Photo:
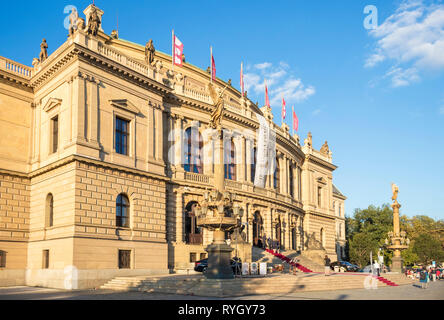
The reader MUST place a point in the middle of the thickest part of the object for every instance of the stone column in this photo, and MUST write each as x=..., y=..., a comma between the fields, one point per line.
x=397, y=259
x=158, y=114
x=243, y=159
x=79, y=108
x=248, y=158
x=93, y=111
x=180, y=225
x=178, y=143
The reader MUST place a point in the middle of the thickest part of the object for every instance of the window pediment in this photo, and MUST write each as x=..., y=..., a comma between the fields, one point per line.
x=322, y=180
x=125, y=105
x=51, y=104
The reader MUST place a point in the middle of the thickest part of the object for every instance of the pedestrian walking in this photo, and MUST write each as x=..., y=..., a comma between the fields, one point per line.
x=264, y=241
x=327, y=265
x=423, y=278
x=433, y=274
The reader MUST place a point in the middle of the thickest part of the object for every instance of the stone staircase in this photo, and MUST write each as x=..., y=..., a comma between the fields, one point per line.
x=272, y=284
x=260, y=255
x=276, y=283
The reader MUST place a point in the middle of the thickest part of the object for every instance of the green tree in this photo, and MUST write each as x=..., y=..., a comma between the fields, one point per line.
x=428, y=248
x=360, y=247
x=410, y=258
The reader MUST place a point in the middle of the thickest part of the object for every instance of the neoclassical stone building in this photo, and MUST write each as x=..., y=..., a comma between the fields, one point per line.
x=104, y=156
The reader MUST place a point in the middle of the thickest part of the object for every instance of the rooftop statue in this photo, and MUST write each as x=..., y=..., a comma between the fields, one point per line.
x=43, y=51
x=149, y=52
x=73, y=17
x=309, y=141
x=325, y=149
x=94, y=22
x=218, y=101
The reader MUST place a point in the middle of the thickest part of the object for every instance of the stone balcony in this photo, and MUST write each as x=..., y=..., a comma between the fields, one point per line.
x=15, y=68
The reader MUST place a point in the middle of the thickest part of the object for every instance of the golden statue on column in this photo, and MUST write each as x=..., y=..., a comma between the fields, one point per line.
x=397, y=239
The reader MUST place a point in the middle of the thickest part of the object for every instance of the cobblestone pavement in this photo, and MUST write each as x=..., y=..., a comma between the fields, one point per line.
x=435, y=291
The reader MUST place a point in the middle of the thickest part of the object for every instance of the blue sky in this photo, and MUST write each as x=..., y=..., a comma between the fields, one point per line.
x=377, y=96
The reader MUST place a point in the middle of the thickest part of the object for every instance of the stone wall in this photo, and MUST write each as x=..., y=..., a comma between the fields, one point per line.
x=14, y=227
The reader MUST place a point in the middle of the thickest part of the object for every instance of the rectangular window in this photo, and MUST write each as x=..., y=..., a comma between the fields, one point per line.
x=45, y=264
x=55, y=134
x=203, y=256
x=2, y=259
x=193, y=257
x=124, y=259
x=122, y=136
x=319, y=196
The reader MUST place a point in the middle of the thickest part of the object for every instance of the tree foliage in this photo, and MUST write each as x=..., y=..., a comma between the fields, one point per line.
x=428, y=248
x=368, y=228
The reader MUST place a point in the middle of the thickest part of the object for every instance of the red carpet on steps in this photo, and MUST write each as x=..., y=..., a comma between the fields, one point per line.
x=304, y=269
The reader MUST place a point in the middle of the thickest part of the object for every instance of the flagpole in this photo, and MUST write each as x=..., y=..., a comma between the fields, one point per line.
x=242, y=79
x=282, y=114
x=211, y=64
x=172, y=53
x=265, y=82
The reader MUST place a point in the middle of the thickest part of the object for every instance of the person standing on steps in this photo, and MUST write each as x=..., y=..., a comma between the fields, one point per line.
x=327, y=265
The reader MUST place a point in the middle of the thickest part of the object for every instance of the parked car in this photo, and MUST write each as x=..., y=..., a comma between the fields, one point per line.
x=202, y=265
x=366, y=269
x=349, y=267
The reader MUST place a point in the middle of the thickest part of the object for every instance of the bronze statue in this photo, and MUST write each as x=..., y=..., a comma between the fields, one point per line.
x=43, y=51
x=395, y=191
x=94, y=22
x=149, y=52
x=216, y=117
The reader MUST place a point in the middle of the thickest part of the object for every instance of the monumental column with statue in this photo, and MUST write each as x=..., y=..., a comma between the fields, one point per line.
x=217, y=212
x=397, y=239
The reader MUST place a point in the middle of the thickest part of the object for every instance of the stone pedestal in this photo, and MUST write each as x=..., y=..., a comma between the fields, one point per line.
x=397, y=264
x=219, y=255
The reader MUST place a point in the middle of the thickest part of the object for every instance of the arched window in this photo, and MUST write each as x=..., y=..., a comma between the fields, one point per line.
x=193, y=151
x=122, y=211
x=253, y=161
x=49, y=221
x=230, y=160
x=277, y=177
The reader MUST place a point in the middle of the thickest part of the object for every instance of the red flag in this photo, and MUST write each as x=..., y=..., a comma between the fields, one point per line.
x=284, y=109
x=295, y=121
x=177, y=51
x=267, y=100
x=242, y=79
x=213, y=67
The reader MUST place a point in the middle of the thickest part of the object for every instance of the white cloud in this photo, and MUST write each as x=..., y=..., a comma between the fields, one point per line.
x=262, y=66
x=281, y=82
x=316, y=112
x=413, y=39
x=401, y=77
x=441, y=110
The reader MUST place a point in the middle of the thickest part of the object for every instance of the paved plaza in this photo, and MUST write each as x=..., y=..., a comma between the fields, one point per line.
x=407, y=292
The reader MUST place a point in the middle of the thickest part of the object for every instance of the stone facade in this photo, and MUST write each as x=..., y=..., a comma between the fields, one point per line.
x=62, y=169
